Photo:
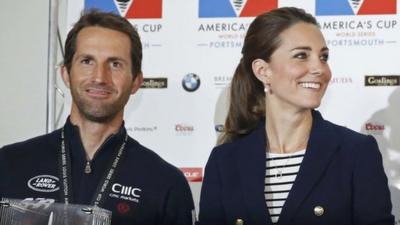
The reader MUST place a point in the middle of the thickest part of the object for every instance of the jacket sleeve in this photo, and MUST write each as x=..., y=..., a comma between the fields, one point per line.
x=371, y=203
x=211, y=207
x=3, y=177
x=179, y=206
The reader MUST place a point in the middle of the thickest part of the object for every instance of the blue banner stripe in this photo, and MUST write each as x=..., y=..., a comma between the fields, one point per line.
x=102, y=5
x=216, y=8
x=329, y=7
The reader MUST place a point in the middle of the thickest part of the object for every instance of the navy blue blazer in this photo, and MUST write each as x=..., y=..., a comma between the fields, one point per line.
x=341, y=171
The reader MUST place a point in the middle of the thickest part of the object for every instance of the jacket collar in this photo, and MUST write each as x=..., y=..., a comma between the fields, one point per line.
x=250, y=159
x=75, y=143
x=322, y=145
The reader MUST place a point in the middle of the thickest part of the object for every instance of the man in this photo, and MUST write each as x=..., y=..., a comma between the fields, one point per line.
x=92, y=160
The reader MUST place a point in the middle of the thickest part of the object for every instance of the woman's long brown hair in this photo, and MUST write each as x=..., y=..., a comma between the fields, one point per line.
x=247, y=97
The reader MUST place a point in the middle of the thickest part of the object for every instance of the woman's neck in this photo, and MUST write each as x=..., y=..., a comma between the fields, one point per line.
x=287, y=131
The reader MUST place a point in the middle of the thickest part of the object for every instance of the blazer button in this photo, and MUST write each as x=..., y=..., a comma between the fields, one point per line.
x=239, y=222
x=319, y=210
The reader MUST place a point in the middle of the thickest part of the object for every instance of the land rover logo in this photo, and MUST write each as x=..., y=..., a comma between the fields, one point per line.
x=44, y=183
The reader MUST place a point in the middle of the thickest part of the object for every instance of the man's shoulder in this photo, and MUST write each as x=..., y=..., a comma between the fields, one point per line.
x=44, y=142
x=146, y=158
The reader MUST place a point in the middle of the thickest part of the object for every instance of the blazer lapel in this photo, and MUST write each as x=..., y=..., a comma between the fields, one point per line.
x=321, y=147
x=250, y=160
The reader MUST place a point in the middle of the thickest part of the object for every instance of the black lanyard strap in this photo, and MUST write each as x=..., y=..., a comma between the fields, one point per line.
x=65, y=172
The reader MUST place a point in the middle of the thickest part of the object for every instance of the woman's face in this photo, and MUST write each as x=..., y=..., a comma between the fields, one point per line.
x=298, y=72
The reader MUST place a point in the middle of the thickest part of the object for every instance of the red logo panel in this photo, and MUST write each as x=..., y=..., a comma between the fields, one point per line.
x=193, y=174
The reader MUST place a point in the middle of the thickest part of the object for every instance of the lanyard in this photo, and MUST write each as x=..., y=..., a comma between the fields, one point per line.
x=65, y=172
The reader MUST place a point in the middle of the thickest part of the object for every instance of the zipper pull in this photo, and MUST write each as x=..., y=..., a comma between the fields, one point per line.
x=88, y=168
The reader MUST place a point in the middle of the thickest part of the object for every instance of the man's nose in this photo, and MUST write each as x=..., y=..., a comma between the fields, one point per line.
x=101, y=73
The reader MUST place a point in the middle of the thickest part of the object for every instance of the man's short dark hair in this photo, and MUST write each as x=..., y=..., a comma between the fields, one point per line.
x=106, y=20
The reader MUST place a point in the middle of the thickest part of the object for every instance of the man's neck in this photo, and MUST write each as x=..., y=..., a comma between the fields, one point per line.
x=93, y=134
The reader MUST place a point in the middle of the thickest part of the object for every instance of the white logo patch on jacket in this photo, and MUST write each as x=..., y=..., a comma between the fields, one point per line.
x=125, y=192
x=44, y=183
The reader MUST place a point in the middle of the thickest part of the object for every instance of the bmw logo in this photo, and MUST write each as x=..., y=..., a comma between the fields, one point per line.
x=219, y=128
x=191, y=82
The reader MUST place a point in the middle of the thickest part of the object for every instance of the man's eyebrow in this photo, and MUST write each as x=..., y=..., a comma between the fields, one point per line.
x=116, y=58
x=83, y=55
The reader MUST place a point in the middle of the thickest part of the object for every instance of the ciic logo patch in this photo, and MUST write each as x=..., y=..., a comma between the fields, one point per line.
x=123, y=192
x=44, y=183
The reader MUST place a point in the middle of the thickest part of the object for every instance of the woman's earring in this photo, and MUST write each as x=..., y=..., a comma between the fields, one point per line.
x=266, y=88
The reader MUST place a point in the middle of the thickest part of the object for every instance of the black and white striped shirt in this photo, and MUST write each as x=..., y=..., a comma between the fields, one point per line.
x=281, y=171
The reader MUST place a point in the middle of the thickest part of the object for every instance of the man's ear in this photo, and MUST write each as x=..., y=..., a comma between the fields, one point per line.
x=65, y=76
x=137, y=83
x=261, y=70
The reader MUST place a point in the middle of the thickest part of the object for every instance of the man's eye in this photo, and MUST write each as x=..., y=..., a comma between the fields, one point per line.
x=85, y=61
x=116, y=64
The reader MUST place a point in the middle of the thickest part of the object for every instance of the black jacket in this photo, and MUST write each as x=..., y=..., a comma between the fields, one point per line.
x=341, y=171
x=146, y=190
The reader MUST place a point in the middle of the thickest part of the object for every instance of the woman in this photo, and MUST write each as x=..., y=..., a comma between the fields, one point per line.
x=280, y=161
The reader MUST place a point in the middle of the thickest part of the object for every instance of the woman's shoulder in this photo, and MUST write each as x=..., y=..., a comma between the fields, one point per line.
x=342, y=132
x=254, y=139
x=227, y=148
x=349, y=134
x=353, y=142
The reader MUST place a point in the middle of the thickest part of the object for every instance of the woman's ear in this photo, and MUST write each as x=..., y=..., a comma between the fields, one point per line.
x=261, y=70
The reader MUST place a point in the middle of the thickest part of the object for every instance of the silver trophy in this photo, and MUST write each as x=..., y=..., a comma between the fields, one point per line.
x=46, y=212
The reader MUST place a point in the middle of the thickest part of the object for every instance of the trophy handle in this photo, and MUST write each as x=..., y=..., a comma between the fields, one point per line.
x=50, y=219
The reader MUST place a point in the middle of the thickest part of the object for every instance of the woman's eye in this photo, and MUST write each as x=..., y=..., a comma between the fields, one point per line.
x=324, y=57
x=301, y=55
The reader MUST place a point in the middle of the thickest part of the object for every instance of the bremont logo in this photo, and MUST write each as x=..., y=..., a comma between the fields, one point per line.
x=159, y=82
x=379, y=80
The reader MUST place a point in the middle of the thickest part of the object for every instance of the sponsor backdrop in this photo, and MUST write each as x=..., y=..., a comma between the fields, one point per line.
x=191, y=49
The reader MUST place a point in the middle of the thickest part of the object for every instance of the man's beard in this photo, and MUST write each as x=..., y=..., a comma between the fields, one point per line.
x=98, y=111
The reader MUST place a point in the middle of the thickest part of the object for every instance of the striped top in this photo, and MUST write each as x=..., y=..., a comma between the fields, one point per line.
x=281, y=171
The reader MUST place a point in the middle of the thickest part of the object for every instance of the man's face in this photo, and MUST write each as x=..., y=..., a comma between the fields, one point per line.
x=101, y=78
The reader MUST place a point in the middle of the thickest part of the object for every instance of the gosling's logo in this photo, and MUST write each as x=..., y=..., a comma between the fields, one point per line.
x=379, y=80
x=159, y=82
x=44, y=183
